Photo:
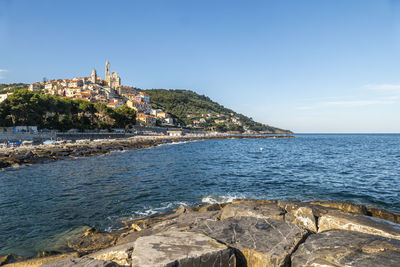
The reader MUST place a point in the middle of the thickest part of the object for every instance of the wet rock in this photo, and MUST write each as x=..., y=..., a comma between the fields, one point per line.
x=181, y=249
x=347, y=248
x=84, y=261
x=210, y=207
x=10, y=258
x=258, y=241
x=247, y=200
x=253, y=209
x=39, y=261
x=358, y=223
x=93, y=241
x=120, y=254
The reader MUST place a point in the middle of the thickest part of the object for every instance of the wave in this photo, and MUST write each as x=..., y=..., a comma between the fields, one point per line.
x=221, y=199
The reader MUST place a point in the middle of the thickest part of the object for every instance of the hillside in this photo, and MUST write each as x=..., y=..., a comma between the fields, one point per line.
x=200, y=111
x=9, y=88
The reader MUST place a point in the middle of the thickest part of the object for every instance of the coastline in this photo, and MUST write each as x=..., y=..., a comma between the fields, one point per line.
x=243, y=232
x=14, y=157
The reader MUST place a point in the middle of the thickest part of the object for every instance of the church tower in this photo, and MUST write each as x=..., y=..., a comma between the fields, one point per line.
x=108, y=72
x=94, y=76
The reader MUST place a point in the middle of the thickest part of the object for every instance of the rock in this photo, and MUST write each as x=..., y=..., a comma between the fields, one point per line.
x=182, y=249
x=253, y=209
x=246, y=200
x=10, y=258
x=347, y=248
x=383, y=214
x=84, y=261
x=300, y=213
x=133, y=235
x=343, y=206
x=181, y=209
x=93, y=241
x=39, y=261
x=358, y=223
x=210, y=207
x=186, y=221
x=258, y=241
x=120, y=254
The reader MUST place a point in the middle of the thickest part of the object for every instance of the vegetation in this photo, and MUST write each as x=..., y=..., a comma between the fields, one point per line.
x=9, y=88
x=51, y=112
x=181, y=103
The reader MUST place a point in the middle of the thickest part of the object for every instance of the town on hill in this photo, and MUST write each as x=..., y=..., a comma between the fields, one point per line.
x=96, y=103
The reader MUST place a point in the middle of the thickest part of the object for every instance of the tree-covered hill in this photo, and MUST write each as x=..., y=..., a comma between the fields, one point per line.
x=9, y=88
x=188, y=106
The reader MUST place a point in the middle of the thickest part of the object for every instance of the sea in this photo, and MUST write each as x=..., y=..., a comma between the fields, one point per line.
x=41, y=205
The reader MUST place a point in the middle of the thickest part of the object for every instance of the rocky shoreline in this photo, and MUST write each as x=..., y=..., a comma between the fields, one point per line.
x=14, y=157
x=243, y=232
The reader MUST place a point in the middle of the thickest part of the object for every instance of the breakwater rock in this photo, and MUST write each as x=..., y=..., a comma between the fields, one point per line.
x=243, y=232
x=41, y=154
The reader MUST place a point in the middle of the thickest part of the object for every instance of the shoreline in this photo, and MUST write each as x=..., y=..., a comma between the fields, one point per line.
x=266, y=233
x=28, y=155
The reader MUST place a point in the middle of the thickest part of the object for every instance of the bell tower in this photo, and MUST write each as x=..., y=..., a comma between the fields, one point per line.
x=108, y=72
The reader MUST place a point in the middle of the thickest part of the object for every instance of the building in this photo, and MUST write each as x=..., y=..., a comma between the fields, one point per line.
x=3, y=97
x=35, y=87
x=168, y=121
x=140, y=107
x=143, y=97
x=175, y=133
x=93, y=78
x=144, y=119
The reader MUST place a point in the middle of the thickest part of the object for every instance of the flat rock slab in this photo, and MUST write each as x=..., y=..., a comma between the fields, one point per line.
x=253, y=209
x=120, y=254
x=347, y=248
x=258, y=242
x=358, y=223
x=183, y=249
x=87, y=262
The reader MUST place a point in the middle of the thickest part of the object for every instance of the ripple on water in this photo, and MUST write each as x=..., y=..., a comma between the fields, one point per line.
x=41, y=204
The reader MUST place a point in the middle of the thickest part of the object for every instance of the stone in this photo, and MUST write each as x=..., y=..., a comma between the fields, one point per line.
x=181, y=209
x=186, y=221
x=84, y=261
x=182, y=249
x=257, y=241
x=347, y=248
x=253, y=209
x=383, y=214
x=40, y=261
x=93, y=241
x=343, y=206
x=300, y=213
x=120, y=254
x=358, y=223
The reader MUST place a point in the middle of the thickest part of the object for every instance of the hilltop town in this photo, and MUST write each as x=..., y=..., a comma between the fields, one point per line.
x=109, y=91
x=154, y=107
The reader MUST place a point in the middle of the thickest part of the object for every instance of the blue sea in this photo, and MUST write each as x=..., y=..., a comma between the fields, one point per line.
x=41, y=203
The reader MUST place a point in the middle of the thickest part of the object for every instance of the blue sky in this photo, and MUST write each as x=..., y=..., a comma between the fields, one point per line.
x=309, y=66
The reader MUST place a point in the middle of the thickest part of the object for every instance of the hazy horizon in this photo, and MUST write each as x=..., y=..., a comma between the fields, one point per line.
x=311, y=67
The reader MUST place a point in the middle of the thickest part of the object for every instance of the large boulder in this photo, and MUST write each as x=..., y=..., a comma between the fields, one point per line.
x=358, y=223
x=182, y=249
x=339, y=248
x=257, y=241
x=253, y=209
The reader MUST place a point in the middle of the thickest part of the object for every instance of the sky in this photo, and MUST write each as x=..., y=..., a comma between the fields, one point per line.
x=308, y=66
